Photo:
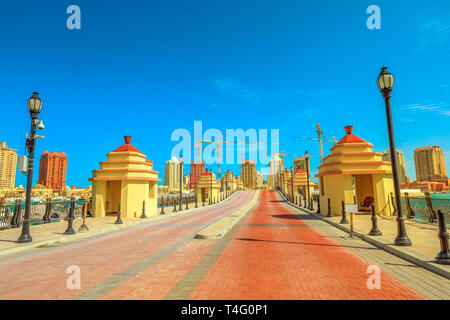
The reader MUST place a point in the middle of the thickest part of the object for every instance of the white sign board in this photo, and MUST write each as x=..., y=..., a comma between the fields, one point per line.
x=351, y=208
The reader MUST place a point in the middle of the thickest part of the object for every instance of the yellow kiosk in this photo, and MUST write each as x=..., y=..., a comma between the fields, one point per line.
x=126, y=178
x=355, y=174
x=228, y=182
x=207, y=188
x=299, y=185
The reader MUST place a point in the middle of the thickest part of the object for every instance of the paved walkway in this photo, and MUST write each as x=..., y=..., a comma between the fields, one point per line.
x=47, y=234
x=106, y=259
x=424, y=237
x=274, y=252
x=277, y=254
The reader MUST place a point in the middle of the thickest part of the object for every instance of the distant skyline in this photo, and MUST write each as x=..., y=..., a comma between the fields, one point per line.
x=147, y=68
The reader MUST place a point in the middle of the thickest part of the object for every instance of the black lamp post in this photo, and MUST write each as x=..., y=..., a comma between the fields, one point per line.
x=181, y=183
x=210, y=198
x=292, y=185
x=307, y=178
x=34, y=107
x=226, y=183
x=385, y=84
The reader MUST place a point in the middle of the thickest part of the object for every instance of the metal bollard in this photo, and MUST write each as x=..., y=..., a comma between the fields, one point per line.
x=119, y=216
x=15, y=221
x=84, y=227
x=344, y=218
x=411, y=212
x=143, y=216
x=196, y=204
x=304, y=202
x=69, y=229
x=174, y=206
x=162, y=208
x=375, y=231
x=432, y=217
x=444, y=256
x=203, y=200
x=318, y=205
x=48, y=205
x=329, y=215
x=187, y=207
x=393, y=204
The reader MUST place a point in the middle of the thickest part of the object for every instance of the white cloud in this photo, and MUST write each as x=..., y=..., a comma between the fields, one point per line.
x=441, y=108
x=236, y=89
x=434, y=33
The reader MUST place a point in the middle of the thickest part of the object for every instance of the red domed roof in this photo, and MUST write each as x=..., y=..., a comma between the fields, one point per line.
x=127, y=146
x=206, y=173
x=299, y=170
x=350, y=138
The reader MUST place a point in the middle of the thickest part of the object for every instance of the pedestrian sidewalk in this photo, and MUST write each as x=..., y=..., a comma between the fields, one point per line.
x=50, y=234
x=424, y=238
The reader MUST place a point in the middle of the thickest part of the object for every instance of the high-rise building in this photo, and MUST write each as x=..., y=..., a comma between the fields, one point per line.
x=186, y=179
x=400, y=164
x=52, y=170
x=430, y=164
x=300, y=163
x=259, y=179
x=248, y=174
x=197, y=169
x=275, y=167
x=8, y=165
x=172, y=174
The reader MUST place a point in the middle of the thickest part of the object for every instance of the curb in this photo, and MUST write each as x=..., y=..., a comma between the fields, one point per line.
x=401, y=252
x=103, y=230
x=243, y=211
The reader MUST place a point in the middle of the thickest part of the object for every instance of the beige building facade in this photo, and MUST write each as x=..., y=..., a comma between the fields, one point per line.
x=172, y=174
x=8, y=166
x=275, y=167
x=430, y=164
x=400, y=164
x=248, y=174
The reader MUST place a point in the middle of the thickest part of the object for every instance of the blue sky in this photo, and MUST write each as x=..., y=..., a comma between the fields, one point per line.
x=146, y=68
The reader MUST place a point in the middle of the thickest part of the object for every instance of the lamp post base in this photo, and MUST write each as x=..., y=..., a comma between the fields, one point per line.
x=24, y=239
x=443, y=258
x=69, y=231
x=403, y=241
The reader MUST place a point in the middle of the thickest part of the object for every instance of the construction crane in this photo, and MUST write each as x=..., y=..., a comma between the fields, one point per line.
x=218, y=143
x=321, y=137
x=283, y=154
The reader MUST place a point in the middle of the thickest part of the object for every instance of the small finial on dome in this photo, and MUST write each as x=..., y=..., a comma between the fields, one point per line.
x=127, y=139
x=348, y=129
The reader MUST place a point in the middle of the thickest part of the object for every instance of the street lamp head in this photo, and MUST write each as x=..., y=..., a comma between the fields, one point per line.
x=306, y=154
x=385, y=82
x=35, y=103
x=292, y=170
x=181, y=158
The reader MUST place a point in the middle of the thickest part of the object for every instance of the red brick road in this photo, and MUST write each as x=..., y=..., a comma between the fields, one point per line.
x=274, y=255
x=290, y=262
x=43, y=275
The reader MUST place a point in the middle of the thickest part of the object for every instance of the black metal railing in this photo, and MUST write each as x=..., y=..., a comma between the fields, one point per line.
x=424, y=209
x=11, y=214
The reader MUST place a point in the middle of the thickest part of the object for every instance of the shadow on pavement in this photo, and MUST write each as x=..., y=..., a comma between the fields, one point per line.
x=306, y=243
x=294, y=216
